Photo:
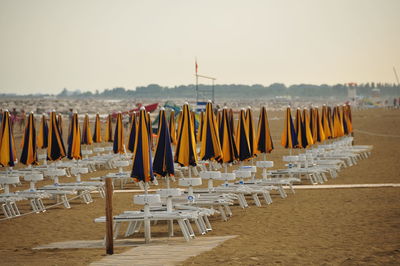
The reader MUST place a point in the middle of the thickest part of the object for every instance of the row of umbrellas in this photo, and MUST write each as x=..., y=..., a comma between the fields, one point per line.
x=219, y=140
x=311, y=127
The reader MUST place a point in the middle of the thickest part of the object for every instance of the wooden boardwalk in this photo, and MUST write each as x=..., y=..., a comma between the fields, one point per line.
x=168, y=253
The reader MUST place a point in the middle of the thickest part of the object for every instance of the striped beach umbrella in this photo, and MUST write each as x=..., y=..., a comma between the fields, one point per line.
x=56, y=148
x=172, y=127
x=108, y=132
x=200, y=129
x=325, y=122
x=228, y=146
x=8, y=154
x=231, y=121
x=132, y=134
x=86, y=133
x=210, y=148
x=320, y=129
x=347, y=119
x=150, y=129
x=306, y=131
x=60, y=124
x=97, y=130
x=29, y=147
x=313, y=125
x=337, y=123
x=42, y=139
x=242, y=138
x=74, y=139
x=118, y=145
x=142, y=169
x=298, y=125
x=263, y=141
x=289, y=137
x=329, y=116
x=185, y=152
x=163, y=163
x=251, y=131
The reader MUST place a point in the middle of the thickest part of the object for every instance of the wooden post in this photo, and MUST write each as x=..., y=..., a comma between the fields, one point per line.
x=109, y=218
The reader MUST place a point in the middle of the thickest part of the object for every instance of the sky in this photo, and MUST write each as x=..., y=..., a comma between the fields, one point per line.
x=48, y=45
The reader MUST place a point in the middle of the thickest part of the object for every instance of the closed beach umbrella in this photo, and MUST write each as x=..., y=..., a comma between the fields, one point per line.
x=200, y=129
x=150, y=129
x=29, y=148
x=60, y=123
x=301, y=139
x=320, y=129
x=108, y=132
x=264, y=142
x=97, y=130
x=325, y=122
x=230, y=116
x=74, y=139
x=179, y=125
x=142, y=169
x=329, y=117
x=242, y=138
x=86, y=133
x=172, y=127
x=313, y=125
x=347, y=119
x=56, y=148
x=251, y=131
x=118, y=145
x=289, y=137
x=210, y=146
x=228, y=146
x=306, y=131
x=163, y=163
x=185, y=152
x=132, y=134
x=42, y=138
x=337, y=123
x=7, y=145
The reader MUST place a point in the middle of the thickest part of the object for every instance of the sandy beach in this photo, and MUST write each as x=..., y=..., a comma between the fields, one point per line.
x=352, y=226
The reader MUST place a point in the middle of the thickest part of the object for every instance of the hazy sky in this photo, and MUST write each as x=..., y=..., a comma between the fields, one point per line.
x=48, y=45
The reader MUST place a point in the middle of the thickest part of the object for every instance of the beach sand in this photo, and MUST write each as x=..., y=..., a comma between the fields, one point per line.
x=325, y=227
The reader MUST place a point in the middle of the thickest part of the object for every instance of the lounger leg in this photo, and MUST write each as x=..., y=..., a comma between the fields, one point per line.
x=324, y=176
x=184, y=230
x=208, y=224
x=256, y=200
x=228, y=210
x=292, y=188
x=242, y=199
x=117, y=226
x=64, y=199
x=199, y=228
x=33, y=205
x=267, y=197
x=5, y=211
x=223, y=215
x=202, y=223
x=189, y=227
x=281, y=192
x=170, y=228
x=41, y=205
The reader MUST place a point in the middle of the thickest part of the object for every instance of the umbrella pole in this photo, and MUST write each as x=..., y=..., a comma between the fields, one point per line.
x=190, y=189
x=265, y=156
x=167, y=180
x=147, y=231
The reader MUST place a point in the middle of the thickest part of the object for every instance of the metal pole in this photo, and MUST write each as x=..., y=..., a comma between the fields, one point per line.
x=109, y=218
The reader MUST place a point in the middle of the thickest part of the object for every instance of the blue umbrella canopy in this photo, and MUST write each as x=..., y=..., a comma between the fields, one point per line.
x=163, y=163
x=142, y=167
x=29, y=148
x=7, y=144
x=264, y=142
x=56, y=148
x=132, y=134
x=242, y=138
x=42, y=140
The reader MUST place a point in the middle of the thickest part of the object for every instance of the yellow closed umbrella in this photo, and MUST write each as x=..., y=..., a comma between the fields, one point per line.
x=242, y=138
x=108, y=132
x=55, y=148
x=185, y=152
x=172, y=127
x=7, y=144
x=210, y=146
x=86, y=133
x=118, y=144
x=289, y=137
x=97, y=130
x=74, y=139
x=228, y=146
